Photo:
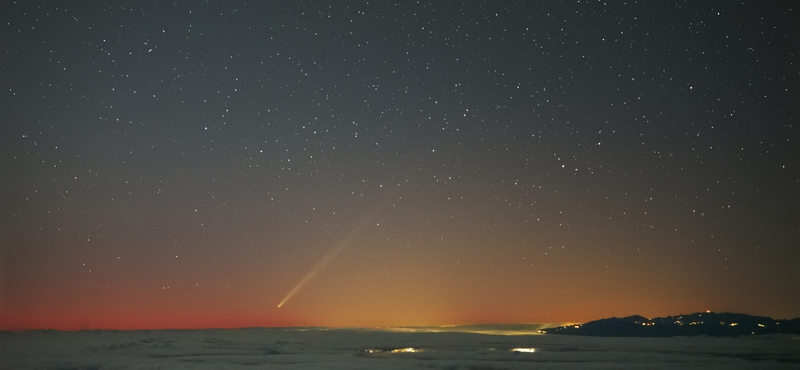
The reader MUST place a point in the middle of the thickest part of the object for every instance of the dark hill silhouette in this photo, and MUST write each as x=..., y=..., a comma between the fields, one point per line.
x=701, y=323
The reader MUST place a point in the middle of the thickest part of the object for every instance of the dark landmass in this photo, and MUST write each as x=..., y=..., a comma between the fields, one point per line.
x=701, y=323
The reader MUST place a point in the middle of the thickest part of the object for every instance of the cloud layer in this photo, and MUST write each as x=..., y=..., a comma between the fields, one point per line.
x=371, y=349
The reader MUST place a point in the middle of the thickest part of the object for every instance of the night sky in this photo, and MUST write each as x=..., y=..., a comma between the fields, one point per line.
x=194, y=164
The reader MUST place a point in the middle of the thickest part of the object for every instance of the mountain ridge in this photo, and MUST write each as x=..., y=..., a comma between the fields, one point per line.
x=700, y=323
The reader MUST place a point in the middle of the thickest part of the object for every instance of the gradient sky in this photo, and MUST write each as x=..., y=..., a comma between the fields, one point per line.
x=190, y=164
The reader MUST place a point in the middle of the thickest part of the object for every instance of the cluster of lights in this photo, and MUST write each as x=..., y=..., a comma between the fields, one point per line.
x=406, y=350
x=523, y=350
x=397, y=350
x=721, y=323
x=414, y=350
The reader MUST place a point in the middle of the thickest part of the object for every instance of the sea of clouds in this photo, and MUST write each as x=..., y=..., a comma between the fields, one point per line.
x=407, y=348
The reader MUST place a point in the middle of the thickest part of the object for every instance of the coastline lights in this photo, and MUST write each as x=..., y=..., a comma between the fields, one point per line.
x=523, y=350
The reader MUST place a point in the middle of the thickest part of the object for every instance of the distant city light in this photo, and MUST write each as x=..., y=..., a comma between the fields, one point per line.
x=397, y=350
x=406, y=350
x=525, y=350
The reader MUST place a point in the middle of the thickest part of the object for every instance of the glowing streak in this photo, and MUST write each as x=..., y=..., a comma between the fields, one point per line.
x=332, y=253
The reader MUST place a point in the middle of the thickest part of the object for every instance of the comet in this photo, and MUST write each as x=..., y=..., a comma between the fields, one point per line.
x=333, y=252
